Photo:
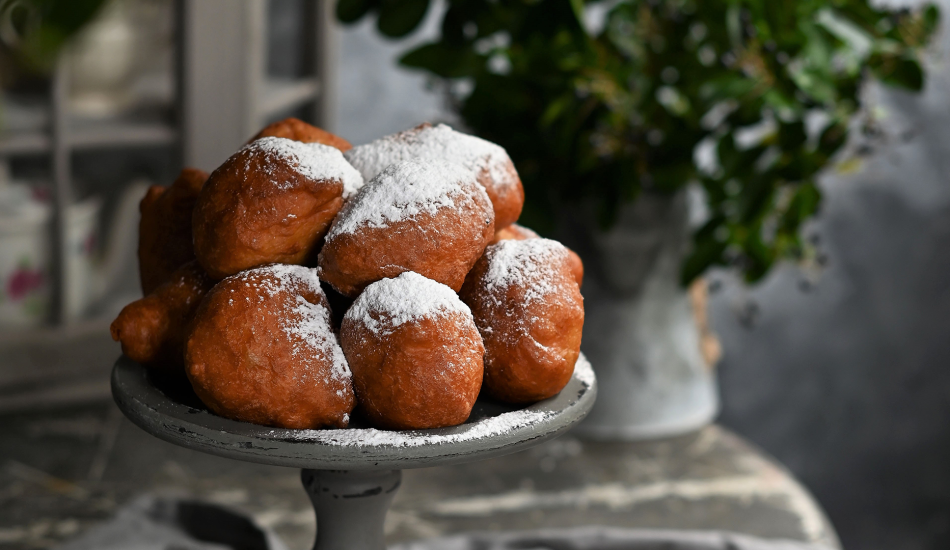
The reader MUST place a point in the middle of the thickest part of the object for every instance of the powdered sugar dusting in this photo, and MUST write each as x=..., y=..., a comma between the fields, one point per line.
x=483, y=429
x=313, y=160
x=311, y=324
x=307, y=325
x=435, y=142
x=531, y=264
x=276, y=278
x=488, y=427
x=403, y=191
x=389, y=303
x=583, y=371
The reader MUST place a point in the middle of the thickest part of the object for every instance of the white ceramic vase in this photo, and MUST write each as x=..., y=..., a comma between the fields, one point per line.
x=25, y=260
x=640, y=331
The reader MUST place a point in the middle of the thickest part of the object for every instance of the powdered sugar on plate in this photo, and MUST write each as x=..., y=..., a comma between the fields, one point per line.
x=531, y=264
x=403, y=191
x=583, y=371
x=371, y=437
x=431, y=143
x=485, y=428
x=389, y=303
x=307, y=325
x=312, y=160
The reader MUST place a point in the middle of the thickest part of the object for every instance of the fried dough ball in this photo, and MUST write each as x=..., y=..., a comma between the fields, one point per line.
x=152, y=330
x=530, y=313
x=165, y=228
x=430, y=217
x=298, y=130
x=262, y=350
x=415, y=352
x=489, y=162
x=520, y=233
x=514, y=232
x=576, y=266
x=271, y=202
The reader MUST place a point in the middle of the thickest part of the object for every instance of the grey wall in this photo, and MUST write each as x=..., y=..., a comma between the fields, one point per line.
x=847, y=383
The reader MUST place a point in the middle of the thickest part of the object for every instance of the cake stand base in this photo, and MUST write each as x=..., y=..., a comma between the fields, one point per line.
x=351, y=506
x=351, y=475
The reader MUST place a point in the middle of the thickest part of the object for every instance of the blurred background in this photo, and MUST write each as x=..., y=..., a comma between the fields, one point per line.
x=840, y=372
x=843, y=377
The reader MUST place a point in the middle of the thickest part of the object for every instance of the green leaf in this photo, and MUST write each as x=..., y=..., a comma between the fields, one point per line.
x=859, y=41
x=670, y=178
x=757, y=197
x=556, y=108
x=931, y=18
x=784, y=105
x=351, y=11
x=734, y=26
x=757, y=262
x=456, y=17
x=804, y=204
x=726, y=87
x=791, y=136
x=816, y=84
x=442, y=60
x=578, y=7
x=832, y=139
x=707, y=251
x=900, y=72
x=66, y=18
x=56, y=23
x=397, y=18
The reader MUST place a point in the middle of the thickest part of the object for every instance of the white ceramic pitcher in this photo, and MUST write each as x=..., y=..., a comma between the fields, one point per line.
x=26, y=278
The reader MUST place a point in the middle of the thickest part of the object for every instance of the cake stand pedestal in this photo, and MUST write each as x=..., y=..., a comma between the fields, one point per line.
x=350, y=475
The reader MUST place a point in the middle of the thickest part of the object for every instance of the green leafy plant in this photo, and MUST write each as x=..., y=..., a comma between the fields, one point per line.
x=37, y=29
x=770, y=90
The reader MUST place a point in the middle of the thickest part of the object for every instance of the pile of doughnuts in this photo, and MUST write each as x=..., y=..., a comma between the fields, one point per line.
x=305, y=279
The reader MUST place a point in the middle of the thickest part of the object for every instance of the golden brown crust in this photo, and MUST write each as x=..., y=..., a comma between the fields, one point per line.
x=424, y=374
x=247, y=359
x=531, y=329
x=257, y=209
x=152, y=330
x=576, y=266
x=298, y=130
x=513, y=232
x=507, y=201
x=441, y=245
x=165, y=228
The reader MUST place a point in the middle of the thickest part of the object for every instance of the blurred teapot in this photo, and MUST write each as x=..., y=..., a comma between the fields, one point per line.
x=26, y=262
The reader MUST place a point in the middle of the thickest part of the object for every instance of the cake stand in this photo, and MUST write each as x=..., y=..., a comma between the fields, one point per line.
x=350, y=475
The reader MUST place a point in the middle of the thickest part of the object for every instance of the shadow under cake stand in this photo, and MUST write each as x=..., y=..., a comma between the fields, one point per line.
x=350, y=475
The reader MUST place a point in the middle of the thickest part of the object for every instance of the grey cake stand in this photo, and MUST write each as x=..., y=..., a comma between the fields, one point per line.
x=350, y=475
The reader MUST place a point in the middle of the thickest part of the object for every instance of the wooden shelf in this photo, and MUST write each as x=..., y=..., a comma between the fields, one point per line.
x=24, y=143
x=91, y=136
x=222, y=95
x=121, y=134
